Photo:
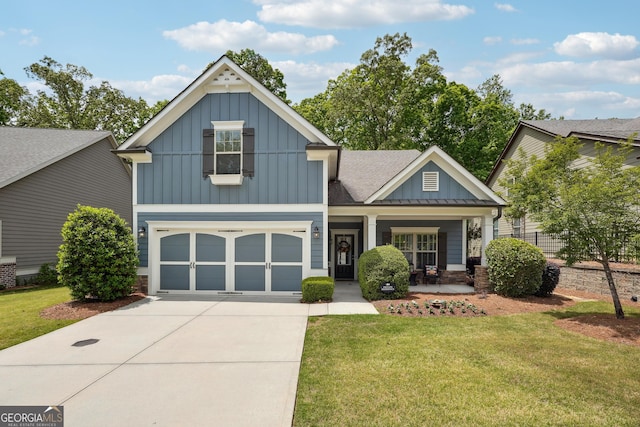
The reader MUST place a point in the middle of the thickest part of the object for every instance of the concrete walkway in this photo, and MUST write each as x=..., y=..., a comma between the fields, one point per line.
x=172, y=361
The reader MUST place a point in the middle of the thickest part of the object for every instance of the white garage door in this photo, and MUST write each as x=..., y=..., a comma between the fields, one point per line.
x=252, y=261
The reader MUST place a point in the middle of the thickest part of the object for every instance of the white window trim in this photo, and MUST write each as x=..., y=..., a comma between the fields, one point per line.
x=430, y=181
x=415, y=231
x=227, y=179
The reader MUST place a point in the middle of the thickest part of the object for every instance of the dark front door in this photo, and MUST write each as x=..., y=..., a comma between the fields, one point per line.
x=344, y=256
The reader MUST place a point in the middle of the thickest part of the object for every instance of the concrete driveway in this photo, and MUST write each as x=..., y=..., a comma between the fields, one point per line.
x=171, y=361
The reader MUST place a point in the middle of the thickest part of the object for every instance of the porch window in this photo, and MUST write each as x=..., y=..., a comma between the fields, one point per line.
x=419, y=245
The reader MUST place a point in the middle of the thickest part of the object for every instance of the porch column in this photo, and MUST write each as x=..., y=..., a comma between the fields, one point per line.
x=371, y=231
x=487, y=235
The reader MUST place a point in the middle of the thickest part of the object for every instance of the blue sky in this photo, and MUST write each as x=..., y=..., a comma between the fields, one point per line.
x=575, y=58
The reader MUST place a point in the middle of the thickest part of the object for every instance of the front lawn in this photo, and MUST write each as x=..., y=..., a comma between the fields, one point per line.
x=20, y=313
x=483, y=371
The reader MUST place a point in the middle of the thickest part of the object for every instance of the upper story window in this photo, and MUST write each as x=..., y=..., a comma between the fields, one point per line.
x=227, y=152
x=430, y=181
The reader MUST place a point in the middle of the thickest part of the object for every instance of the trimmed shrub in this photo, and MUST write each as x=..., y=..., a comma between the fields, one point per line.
x=47, y=275
x=515, y=267
x=550, y=279
x=98, y=257
x=381, y=265
x=317, y=288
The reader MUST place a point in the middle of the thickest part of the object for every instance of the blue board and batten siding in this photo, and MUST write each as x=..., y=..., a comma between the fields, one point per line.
x=449, y=188
x=282, y=173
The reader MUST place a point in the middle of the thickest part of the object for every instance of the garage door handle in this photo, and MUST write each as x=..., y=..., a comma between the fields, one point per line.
x=268, y=266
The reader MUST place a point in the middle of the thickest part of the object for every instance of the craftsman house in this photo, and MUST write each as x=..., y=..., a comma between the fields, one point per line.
x=44, y=175
x=235, y=192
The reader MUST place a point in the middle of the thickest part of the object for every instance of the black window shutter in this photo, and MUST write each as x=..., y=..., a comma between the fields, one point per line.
x=442, y=251
x=248, y=149
x=386, y=237
x=208, y=141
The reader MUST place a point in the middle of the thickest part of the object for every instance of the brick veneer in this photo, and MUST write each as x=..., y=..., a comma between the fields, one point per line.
x=142, y=285
x=8, y=274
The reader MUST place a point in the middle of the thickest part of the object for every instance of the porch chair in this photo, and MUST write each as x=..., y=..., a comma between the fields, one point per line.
x=431, y=275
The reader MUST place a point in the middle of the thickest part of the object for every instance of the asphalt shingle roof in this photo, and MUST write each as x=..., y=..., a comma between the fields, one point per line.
x=611, y=128
x=24, y=151
x=362, y=173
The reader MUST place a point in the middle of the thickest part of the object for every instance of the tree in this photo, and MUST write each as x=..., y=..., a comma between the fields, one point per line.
x=385, y=104
x=260, y=69
x=11, y=96
x=68, y=105
x=593, y=210
x=371, y=101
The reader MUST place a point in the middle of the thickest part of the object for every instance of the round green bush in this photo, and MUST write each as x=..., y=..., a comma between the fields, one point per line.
x=381, y=265
x=98, y=257
x=550, y=279
x=515, y=267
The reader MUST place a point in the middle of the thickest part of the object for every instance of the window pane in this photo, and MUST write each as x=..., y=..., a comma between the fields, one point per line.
x=426, y=258
x=403, y=242
x=228, y=164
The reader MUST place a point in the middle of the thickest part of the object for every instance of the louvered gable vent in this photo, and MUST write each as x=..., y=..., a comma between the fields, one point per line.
x=430, y=181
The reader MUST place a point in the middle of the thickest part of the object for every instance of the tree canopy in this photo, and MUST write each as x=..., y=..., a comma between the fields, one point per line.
x=383, y=103
x=11, y=94
x=593, y=210
x=66, y=102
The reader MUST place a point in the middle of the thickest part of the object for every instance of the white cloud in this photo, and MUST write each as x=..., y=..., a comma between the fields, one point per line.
x=492, y=40
x=305, y=80
x=568, y=73
x=582, y=104
x=165, y=86
x=520, y=42
x=597, y=44
x=505, y=7
x=224, y=35
x=357, y=13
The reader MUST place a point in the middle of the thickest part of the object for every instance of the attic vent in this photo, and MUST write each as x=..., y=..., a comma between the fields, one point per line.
x=430, y=181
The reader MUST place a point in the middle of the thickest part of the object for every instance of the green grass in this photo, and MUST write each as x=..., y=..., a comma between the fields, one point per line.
x=20, y=313
x=485, y=371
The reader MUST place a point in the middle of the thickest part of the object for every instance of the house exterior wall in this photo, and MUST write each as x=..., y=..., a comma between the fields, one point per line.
x=449, y=188
x=33, y=209
x=453, y=228
x=234, y=217
x=282, y=173
x=532, y=142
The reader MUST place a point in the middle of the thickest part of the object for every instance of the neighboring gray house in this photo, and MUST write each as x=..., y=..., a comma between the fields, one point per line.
x=533, y=136
x=44, y=175
x=235, y=192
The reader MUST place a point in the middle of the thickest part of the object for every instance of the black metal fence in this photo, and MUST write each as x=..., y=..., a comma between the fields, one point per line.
x=551, y=244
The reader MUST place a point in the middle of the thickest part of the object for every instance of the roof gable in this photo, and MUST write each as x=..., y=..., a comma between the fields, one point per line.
x=27, y=150
x=603, y=130
x=447, y=164
x=224, y=76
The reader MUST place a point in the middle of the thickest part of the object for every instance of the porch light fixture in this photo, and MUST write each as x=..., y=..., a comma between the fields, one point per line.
x=316, y=232
x=142, y=232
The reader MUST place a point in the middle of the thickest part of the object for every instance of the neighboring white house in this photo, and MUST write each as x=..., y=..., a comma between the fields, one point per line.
x=533, y=135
